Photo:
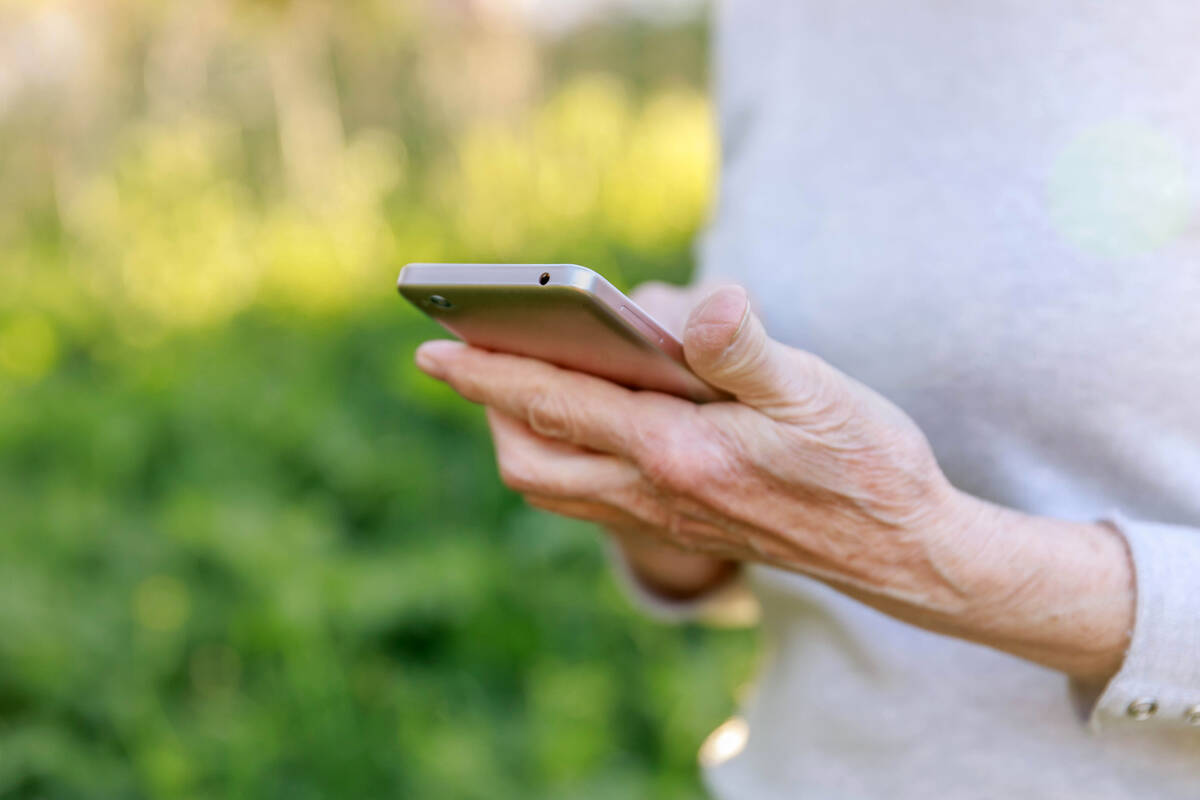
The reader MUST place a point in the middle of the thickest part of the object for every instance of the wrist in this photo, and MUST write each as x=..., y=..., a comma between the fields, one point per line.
x=1056, y=592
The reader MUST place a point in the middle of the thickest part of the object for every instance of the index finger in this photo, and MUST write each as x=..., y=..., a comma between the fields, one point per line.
x=556, y=403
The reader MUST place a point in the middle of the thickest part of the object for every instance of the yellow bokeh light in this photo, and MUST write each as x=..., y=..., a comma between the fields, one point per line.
x=169, y=235
x=588, y=162
x=28, y=346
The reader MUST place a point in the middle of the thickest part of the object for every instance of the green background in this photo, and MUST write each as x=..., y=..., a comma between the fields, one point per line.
x=248, y=550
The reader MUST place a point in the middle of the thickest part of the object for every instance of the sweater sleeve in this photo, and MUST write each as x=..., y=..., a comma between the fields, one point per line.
x=1158, y=685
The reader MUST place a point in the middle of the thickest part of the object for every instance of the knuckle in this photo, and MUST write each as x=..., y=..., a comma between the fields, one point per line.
x=672, y=469
x=549, y=415
x=639, y=506
x=683, y=458
x=675, y=528
x=658, y=454
x=818, y=391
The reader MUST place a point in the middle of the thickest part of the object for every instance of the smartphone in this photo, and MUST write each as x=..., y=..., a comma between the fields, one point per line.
x=564, y=314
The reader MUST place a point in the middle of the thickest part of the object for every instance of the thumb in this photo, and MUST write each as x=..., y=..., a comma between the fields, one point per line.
x=725, y=343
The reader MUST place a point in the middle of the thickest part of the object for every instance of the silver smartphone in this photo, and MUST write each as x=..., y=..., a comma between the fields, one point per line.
x=564, y=314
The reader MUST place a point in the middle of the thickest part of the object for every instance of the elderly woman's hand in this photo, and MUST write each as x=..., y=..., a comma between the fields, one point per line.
x=665, y=570
x=808, y=470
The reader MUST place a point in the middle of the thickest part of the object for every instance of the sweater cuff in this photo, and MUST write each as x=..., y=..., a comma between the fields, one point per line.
x=1158, y=685
x=730, y=605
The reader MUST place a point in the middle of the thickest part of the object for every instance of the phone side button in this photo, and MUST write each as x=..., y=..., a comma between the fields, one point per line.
x=637, y=322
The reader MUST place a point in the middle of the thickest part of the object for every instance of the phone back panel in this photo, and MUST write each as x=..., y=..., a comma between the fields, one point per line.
x=568, y=321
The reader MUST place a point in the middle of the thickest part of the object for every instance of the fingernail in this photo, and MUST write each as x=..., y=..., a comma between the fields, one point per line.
x=725, y=301
x=717, y=312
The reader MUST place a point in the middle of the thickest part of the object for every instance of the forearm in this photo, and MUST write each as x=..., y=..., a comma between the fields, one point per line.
x=1057, y=593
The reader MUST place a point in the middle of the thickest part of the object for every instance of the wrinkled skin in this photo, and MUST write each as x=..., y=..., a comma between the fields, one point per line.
x=806, y=470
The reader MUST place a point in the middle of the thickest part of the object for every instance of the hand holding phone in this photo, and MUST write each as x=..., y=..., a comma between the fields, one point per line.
x=508, y=308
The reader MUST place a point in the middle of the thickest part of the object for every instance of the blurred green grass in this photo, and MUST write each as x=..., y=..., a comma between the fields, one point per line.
x=248, y=550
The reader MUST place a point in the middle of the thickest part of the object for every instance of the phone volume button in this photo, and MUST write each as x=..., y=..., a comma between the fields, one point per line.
x=641, y=325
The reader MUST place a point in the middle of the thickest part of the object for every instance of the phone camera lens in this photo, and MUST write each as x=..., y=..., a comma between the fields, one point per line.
x=544, y=279
x=440, y=301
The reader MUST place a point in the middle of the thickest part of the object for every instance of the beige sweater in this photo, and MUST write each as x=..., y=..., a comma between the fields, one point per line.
x=986, y=210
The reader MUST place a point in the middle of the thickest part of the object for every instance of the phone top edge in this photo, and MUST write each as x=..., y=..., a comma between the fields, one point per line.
x=422, y=274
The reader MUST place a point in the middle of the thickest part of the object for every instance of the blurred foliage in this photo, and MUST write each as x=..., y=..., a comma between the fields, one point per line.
x=248, y=549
